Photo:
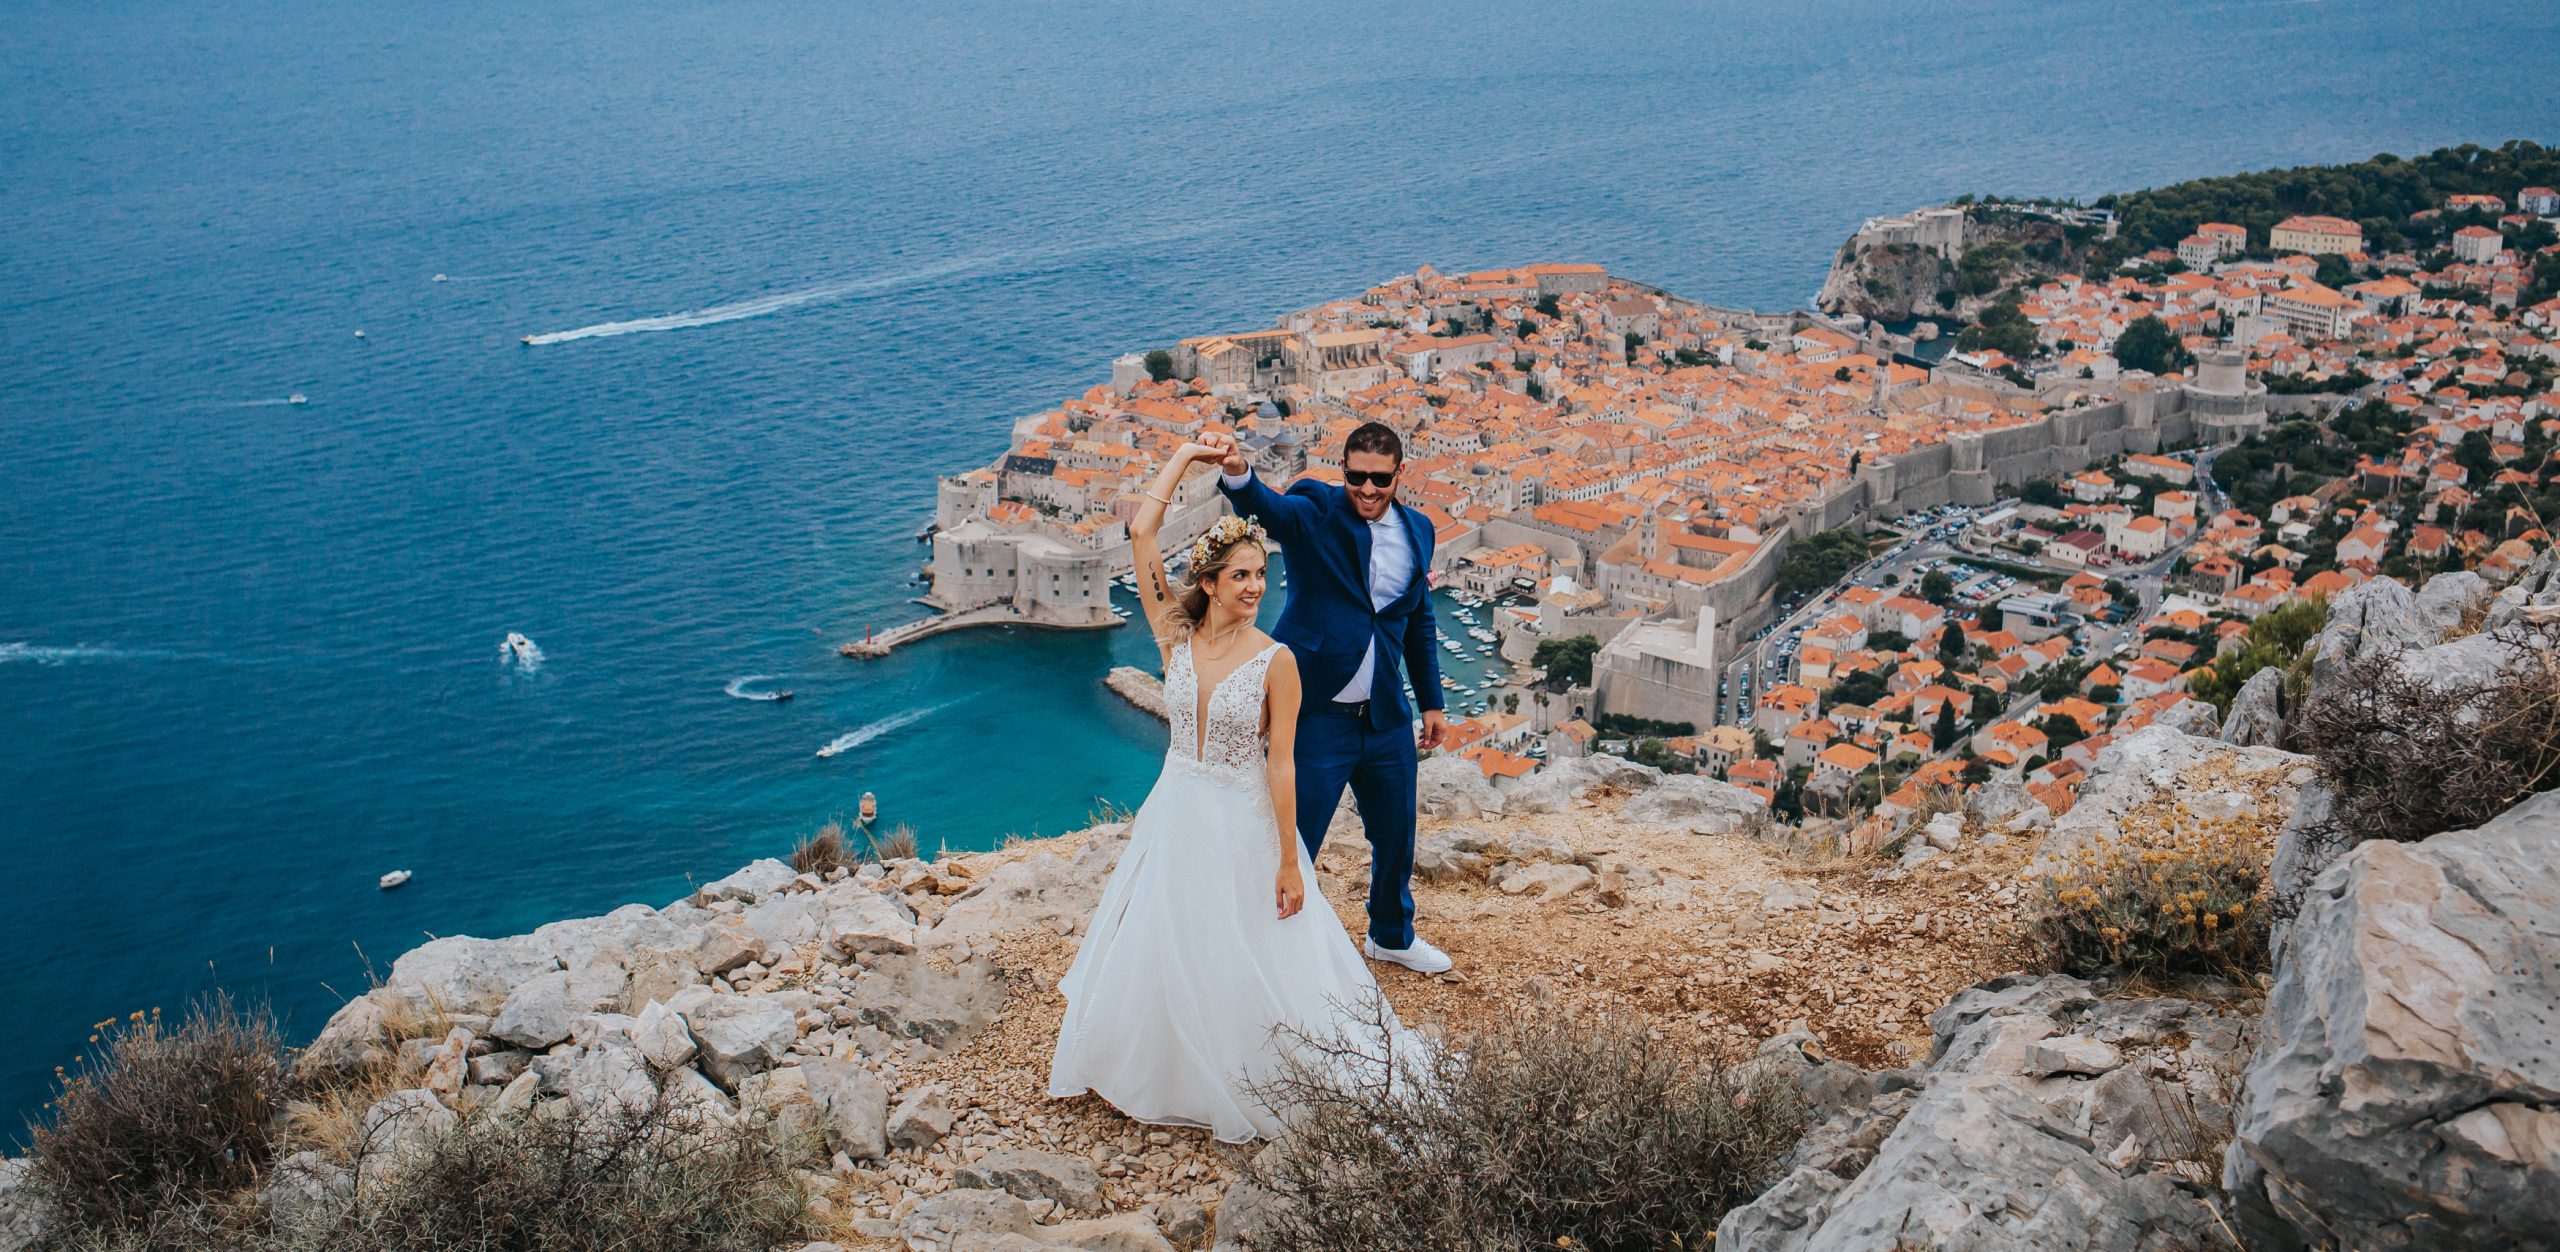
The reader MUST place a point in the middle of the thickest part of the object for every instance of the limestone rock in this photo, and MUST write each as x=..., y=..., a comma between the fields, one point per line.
x=908, y=997
x=1558, y=786
x=1250, y=1214
x=2377, y=616
x=2071, y=1054
x=304, y=1189
x=1699, y=805
x=662, y=1036
x=2160, y=762
x=461, y=974
x=1045, y=890
x=357, y=1037
x=1120, y=1232
x=2257, y=712
x=724, y=945
x=1183, y=1223
x=450, y=1065
x=941, y=1220
x=23, y=1223
x=497, y=1069
x=1550, y=882
x=695, y=1100
x=1944, y=831
x=2407, y=1093
x=397, y=1130
x=855, y=1105
x=1071, y=1181
x=608, y=1075
x=537, y=1014
x=1453, y=786
x=739, y=1035
x=2446, y=600
x=1444, y=855
x=2191, y=716
x=784, y=1107
x=1981, y=1156
x=756, y=881
x=860, y=921
x=923, y=1116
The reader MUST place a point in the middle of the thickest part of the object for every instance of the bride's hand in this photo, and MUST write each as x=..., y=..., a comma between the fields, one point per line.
x=1291, y=890
x=1195, y=452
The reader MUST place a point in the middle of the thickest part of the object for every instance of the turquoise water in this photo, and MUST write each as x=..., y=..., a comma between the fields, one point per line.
x=248, y=649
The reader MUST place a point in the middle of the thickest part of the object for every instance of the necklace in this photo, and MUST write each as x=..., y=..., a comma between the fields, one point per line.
x=1220, y=644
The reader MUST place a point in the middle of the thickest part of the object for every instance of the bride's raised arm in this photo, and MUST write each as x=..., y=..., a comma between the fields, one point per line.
x=1155, y=590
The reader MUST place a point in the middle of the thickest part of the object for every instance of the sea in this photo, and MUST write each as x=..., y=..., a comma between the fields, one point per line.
x=279, y=472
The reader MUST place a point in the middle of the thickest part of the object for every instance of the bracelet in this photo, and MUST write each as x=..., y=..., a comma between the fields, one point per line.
x=1157, y=498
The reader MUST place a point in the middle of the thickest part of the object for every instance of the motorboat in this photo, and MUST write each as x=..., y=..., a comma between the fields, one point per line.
x=521, y=650
x=440, y=279
x=393, y=879
x=297, y=398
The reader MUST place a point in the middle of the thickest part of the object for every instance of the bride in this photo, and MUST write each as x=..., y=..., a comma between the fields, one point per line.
x=1203, y=956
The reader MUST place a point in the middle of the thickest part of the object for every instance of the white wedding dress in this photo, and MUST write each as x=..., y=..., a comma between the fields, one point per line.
x=1189, y=986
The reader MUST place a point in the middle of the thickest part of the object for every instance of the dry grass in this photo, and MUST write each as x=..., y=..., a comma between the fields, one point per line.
x=2161, y=900
x=158, y=1121
x=822, y=852
x=898, y=845
x=648, y=1178
x=1554, y=1130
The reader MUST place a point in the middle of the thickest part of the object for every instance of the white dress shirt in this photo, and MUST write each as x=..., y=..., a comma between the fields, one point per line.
x=1390, y=568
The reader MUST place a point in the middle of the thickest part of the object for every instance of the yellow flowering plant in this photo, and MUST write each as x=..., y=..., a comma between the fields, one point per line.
x=2161, y=898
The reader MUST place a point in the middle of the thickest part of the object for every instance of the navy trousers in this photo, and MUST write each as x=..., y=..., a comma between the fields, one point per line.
x=1337, y=746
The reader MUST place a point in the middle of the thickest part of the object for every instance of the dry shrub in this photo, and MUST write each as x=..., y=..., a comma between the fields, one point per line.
x=155, y=1123
x=2160, y=900
x=2408, y=757
x=652, y=1178
x=898, y=845
x=1550, y=1130
x=822, y=852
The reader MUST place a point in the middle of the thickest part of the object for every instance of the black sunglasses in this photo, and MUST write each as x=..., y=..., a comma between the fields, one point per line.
x=1367, y=478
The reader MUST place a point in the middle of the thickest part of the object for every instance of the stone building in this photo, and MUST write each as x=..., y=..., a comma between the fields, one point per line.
x=1663, y=671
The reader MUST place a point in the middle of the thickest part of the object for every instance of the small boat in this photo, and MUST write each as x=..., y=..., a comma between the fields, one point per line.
x=440, y=279
x=870, y=808
x=297, y=398
x=359, y=334
x=521, y=650
x=778, y=697
x=526, y=341
x=394, y=879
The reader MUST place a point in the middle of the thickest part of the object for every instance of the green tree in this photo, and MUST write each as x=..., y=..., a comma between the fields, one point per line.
x=1821, y=560
x=2043, y=494
x=2149, y=345
x=1951, y=646
x=1864, y=687
x=2002, y=328
x=1567, y=660
x=1944, y=733
x=1989, y=617
x=2061, y=732
x=1549, y=309
x=1160, y=365
x=1935, y=586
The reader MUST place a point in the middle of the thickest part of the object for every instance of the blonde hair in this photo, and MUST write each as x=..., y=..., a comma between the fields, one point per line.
x=1211, y=554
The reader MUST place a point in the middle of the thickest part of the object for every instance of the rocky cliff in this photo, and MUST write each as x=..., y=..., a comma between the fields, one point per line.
x=2392, y=1084
x=1893, y=282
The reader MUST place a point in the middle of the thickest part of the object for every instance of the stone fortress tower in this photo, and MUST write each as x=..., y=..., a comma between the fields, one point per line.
x=2229, y=405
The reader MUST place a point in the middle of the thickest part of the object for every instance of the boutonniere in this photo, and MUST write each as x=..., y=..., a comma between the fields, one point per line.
x=1433, y=579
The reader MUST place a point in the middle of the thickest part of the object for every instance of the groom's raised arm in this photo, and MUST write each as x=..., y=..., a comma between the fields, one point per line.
x=1286, y=517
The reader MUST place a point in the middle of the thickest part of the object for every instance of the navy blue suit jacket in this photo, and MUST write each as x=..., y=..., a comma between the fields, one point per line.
x=1330, y=619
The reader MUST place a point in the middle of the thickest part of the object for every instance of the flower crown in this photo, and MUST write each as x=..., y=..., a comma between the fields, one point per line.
x=1223, y=533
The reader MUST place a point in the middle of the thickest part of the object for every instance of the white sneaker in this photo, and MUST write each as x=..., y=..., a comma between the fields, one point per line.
x=1421, y=958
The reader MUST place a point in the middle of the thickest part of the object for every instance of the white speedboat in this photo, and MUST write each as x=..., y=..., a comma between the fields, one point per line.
x=440, y=278
x=522, y=650
x=297, y=398
x=393, y=879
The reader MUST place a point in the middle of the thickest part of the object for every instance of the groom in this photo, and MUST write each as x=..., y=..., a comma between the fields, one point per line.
x=1359, y=622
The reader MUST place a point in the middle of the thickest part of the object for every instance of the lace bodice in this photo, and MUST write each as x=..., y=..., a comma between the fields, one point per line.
x=1231, y=750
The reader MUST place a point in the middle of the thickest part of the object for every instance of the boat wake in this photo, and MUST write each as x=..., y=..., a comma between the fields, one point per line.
x=737, y=688
x=23, y=653
x=850, y=740
x=517, y=653
x=761, y=306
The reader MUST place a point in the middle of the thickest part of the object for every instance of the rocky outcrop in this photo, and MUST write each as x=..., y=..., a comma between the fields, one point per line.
x=2206, y=778
x=1563, y=785
x=2046, y=1120
x=22, y=1220
x=1453, y=786
x=1699, y=805
x=1046, y=889
x=2407, y=1094
x=2257, y=713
